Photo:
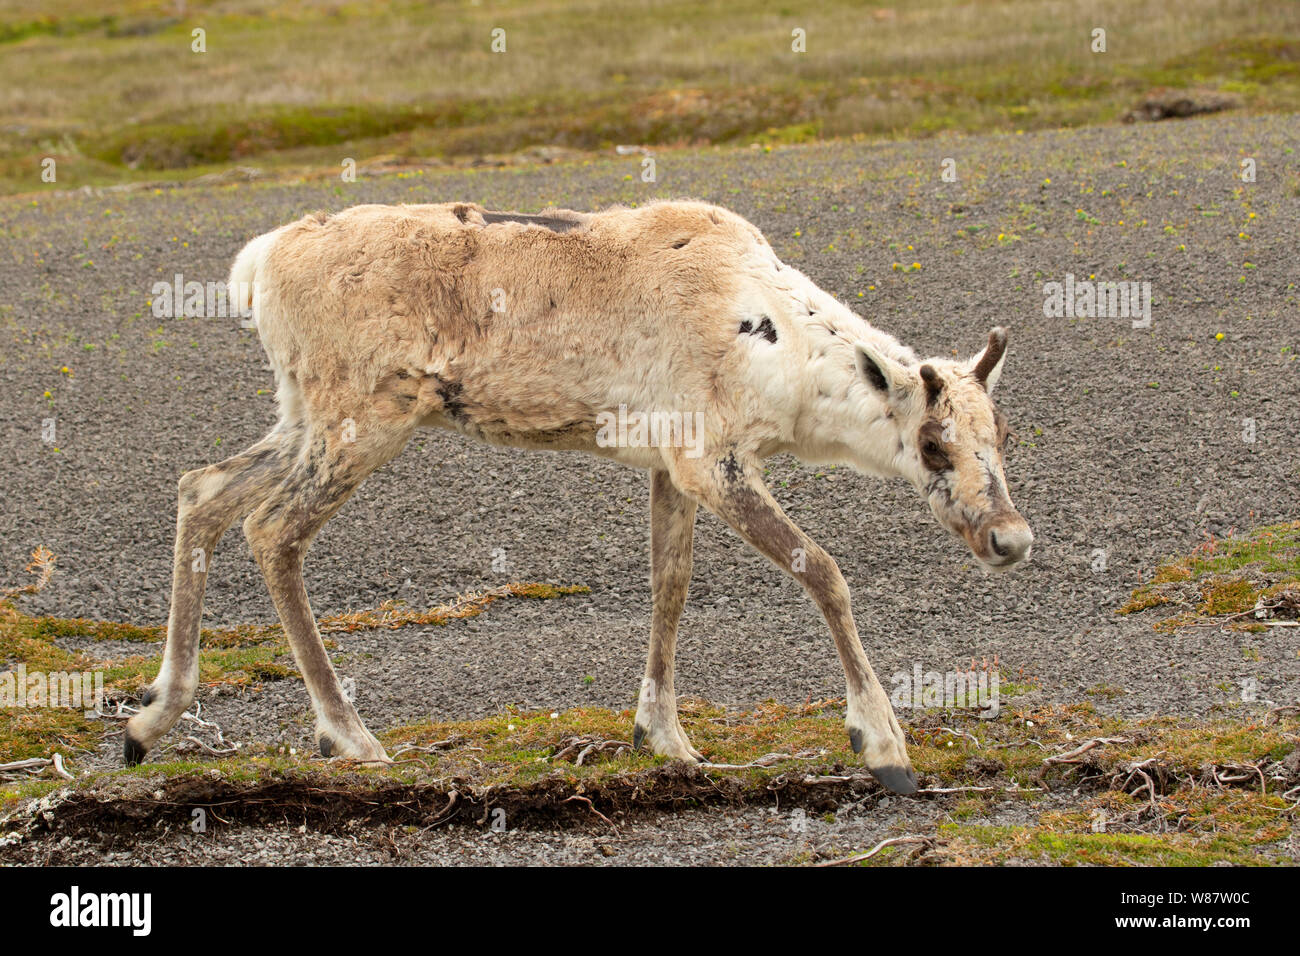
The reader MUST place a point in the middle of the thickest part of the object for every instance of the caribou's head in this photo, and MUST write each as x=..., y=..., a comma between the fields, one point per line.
x=951, y=439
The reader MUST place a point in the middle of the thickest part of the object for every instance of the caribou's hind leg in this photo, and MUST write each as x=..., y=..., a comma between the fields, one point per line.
x=734, y=491
x=209, y=500
x=326, y=472
x=672, y=527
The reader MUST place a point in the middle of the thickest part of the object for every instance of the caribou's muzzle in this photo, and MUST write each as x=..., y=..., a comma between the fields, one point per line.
x=1004, y=540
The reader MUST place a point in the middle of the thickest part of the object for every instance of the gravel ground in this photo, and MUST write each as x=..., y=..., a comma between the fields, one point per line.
x=1130, y=440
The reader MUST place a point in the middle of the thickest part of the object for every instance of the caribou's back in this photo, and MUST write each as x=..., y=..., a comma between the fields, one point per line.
x=519, y=329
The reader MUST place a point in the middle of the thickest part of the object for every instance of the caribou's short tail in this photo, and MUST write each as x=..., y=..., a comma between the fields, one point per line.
x=247, y=272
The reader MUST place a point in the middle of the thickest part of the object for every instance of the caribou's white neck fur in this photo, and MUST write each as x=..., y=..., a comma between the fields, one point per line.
x=833, y=416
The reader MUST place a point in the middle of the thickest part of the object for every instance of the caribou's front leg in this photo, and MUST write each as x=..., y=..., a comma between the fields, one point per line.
x=672, y=527
x=733, y=490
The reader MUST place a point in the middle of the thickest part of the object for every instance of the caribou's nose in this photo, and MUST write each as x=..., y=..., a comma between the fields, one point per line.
x=1010, y=542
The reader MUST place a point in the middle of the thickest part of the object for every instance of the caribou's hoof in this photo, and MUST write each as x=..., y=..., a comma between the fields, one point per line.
x=132, y=751
x=326, y=745
x=897, y=779
x=685, y=753
x=900, y=780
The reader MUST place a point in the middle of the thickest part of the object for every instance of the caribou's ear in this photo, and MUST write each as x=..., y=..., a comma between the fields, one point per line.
x=881, y=372
x=987, y=366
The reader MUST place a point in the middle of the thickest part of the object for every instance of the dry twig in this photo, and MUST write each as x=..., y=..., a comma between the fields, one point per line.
x=893, y=841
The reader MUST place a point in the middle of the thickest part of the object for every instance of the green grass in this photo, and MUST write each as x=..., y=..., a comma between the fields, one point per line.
x=113, y=92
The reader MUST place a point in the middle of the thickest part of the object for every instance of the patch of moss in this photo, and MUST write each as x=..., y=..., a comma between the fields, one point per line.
x=1232, y=596
x=971, y=844
x=1223, y=577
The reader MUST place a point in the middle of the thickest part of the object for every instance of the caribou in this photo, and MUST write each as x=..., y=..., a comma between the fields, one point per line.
x=537, y=331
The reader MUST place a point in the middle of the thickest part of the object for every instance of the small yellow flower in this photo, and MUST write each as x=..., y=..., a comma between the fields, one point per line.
x=915, y=265
x=1218, y=337
x=47, y=394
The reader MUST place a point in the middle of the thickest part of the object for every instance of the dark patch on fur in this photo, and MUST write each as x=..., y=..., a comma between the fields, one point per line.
x=939, y=484
x=997, y=497
x=326, y=746
x=449, y=393
x=638, y=735
x=680, y=243
x=553, y=223
x=461, y=212
x=764, y=328
x=731, y=468
x=855, y=740
x=147, y=697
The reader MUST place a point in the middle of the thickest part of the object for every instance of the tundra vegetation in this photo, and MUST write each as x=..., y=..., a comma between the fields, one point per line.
x=114, y=92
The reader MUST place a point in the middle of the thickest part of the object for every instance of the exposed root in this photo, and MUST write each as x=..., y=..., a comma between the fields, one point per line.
x=584, y=747
x=892, y=841
x=1073, y=755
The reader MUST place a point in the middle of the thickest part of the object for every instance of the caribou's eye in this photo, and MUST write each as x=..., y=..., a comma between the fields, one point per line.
x=933, y=455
